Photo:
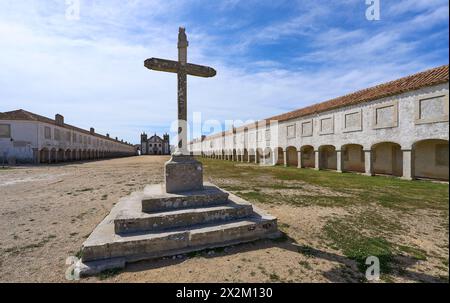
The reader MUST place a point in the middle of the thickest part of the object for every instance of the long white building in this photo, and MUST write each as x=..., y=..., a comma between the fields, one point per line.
x=30, y=138
x=398, y=128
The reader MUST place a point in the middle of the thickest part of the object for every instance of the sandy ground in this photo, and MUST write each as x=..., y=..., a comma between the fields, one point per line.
x=46, y=212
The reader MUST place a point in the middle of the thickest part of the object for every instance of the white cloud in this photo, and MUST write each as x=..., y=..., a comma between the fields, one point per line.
x=91, y=70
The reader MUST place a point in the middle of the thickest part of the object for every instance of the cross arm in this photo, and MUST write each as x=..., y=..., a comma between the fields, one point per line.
x=173, y=67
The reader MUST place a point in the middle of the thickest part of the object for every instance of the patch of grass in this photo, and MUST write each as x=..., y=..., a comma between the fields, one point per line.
x=414, y=252
x=106, y=274
x=393, y=193
x=79, y=254
x=274, y=277
x=305, y=265
x=357, y=246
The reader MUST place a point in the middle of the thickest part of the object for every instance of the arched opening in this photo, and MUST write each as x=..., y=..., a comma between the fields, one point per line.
x=74, y=155
x=259, y=155
x=430, y=159
x=245, y=155
x=44, y=155
x=387, y=159
x=68, y=155
x=234, y=155
x=280, y=156
x=353, y=158
x=53, y=155
x=291, y=156
x=327, y=157
x=251, y=155
x=308, y=157
x=267, y=156
x=61, y=154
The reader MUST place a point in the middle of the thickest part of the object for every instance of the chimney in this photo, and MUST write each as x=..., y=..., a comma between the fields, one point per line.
x=92, y=131
x=107, y=135
x=117, y=139
x=59, y=119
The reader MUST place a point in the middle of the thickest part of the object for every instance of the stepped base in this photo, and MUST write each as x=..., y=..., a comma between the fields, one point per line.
x=114, y=243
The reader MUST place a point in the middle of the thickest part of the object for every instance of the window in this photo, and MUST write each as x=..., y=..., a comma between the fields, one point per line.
x=327, y=125
x=47, y=133
x=352, y=121
x=386, y=115
x=74, y=138
x=5, y=131
x=307, y=128
x=57, y=134
x=68, y=136
x=431, y=108
x=290, y=131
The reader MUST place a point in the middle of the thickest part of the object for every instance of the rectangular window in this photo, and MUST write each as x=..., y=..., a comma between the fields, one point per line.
x=386, y=115
x=352, y=121
x=307, y=128
x=290, y=130
x=326, y=125
x=5, y=131
x=57, y=134
x=68, y=136
x=268, y=134
x=47, y=133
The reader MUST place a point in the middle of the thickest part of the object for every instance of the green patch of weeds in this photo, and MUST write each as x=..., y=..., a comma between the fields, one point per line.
x=274, y=277
x=305, y=265
x=416, y=253
x=357, y=246
x=109, y=273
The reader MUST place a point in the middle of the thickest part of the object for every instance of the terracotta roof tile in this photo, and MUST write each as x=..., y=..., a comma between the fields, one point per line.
x=21, y=114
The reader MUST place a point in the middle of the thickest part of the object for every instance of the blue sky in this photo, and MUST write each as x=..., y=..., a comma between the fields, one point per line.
x=271, y=56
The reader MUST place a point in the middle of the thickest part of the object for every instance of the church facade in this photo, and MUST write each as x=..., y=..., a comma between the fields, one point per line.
x=399, y=128
x=155, y=145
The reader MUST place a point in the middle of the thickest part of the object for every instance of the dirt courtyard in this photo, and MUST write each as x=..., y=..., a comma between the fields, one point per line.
x=46, y=212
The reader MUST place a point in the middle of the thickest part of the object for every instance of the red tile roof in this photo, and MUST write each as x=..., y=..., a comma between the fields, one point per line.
x=426, y=78
x=21, y=114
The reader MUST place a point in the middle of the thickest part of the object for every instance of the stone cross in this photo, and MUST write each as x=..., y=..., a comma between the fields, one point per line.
x=182, y=68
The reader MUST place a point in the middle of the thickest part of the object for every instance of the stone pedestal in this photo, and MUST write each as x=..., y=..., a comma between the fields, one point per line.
x=183, y=173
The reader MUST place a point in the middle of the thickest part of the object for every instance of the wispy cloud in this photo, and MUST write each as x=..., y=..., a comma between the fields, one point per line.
x=271, y=56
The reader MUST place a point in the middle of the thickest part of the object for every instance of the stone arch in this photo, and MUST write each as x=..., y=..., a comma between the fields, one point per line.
x=44, y=155
x=251, y=155
x=308, y=156
x=352, y=158
x=60, y=155
x=430, y=159
x=387, y=159
x=68, y=155
x=53, y=155
x=267, y=155
x=291, y=156
x=245, y=155
x=280, y=156
x=327, y=157
x=259, y=155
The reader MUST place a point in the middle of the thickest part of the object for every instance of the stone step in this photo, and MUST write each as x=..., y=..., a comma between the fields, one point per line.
x=126, y=223
x=155, y=198
x=138, y=246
